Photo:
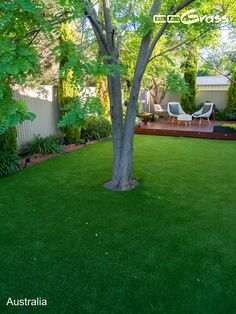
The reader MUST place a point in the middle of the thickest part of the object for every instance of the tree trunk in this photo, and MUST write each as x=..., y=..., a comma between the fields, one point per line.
x=116, y=111
x=122, y=178
x=122, y=140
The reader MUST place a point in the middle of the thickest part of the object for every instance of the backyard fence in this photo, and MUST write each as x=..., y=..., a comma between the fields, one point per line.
x=43, y=102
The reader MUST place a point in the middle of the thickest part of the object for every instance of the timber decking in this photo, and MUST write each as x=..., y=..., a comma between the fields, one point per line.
x=165, y=127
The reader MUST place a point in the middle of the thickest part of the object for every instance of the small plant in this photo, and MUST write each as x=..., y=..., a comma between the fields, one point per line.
x=44, y=145
x=96, y=127
x=10, y=163
x=231, y=126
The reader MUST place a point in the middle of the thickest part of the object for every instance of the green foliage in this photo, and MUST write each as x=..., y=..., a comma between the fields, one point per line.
x=12, y=111
x=44, y=145
x=72, y=134
x=176, y=84
x=8, y=140
x=190, y=73
x=231, y=126
x=75, y=67
x=67, y=90
x=231, y=102
x=223, y=115
x=18, y=59
x=10, y=162
x=102, y=93
x=96, y=127
x=79, y=109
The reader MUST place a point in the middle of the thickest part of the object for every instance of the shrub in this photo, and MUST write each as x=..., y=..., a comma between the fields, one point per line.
x=231, y=102
x=225, y=116
x=96, y=127
x=10, y=162
x=231, y=126
x=44, y=145
x=8, y=140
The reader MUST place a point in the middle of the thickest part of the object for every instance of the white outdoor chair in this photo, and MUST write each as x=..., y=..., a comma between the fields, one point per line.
x=204, y=112
x=160, y=110
x=174, y=109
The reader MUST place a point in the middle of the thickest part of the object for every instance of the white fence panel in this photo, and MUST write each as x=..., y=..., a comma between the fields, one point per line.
x=43, y=102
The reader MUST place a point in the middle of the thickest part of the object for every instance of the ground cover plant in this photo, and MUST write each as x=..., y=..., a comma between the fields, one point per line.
x=10, y=163
x=44, y=145
x=167, y=246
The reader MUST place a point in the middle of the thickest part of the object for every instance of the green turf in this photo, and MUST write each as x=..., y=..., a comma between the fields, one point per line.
x=168, y=246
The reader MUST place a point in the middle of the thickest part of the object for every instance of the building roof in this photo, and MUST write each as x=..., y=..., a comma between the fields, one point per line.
x=212, y=80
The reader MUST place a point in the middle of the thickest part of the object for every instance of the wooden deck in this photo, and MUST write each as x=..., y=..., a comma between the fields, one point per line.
x=165, y=127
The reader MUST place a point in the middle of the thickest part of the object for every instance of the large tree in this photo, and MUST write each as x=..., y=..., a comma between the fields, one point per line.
x=110, y=40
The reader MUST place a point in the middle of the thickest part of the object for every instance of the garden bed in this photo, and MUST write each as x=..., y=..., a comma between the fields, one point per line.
x=30, y=160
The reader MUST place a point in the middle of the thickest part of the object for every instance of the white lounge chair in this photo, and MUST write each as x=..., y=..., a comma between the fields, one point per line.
x=174, y=110
x=204, y=112
x=160, y=110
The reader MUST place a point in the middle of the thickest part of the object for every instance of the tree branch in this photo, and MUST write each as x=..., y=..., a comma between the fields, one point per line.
x=97, y=28
x=165, y=25
x=62, y=18
x=108, y=23
x=185, y=42
x=214, y=68
x=182, y=6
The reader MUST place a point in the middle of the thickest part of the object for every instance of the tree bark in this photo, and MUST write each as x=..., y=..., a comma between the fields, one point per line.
x=122, y=178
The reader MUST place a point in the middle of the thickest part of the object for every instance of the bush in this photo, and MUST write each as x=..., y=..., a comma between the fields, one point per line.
x=225, y=116
x=44, y=145
x=231, y=126
x=8, y=140
x=231, y=102
x=10, y=162
x=96, y=127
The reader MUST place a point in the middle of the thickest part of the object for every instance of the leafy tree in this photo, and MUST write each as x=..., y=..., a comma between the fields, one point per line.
x=22, y=22
x=220, y=53
x=140, y=27
x=18, y=59
x=190, y=74
x=67, y=90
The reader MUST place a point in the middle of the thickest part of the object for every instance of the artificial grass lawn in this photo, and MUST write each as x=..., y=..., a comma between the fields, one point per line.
x=168, y=246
